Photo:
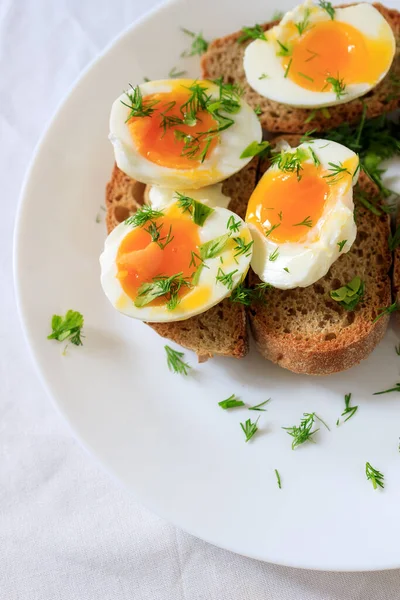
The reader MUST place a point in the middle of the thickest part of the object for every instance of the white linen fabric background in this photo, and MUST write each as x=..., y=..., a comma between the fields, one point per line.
x=68, y=532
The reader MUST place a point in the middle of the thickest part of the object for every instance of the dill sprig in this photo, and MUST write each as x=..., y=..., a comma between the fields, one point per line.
x=338, y=171
x=162, y=286
x=327, y=6
x=247, y=296
x=376, y=477
x=338, y=86
x=199, y=211
x=241, y=247
x=341, y=245
x=387, y=310
x=273, y=227
x=350, y=411
x=303, y=433
x=290, y=162
x=394, y=389
x=283, y=50
x=307, y=222
x=374, y=140
x=143, y=215
x=174, y=73
x=226, y=278
x=175, y=362
x=137, y=106
x=303, y=25
x=252, y=33
x=278, y=478
x=259, y=407
x=231, y=402
x=198, y=46
x=249, y=428
x=154, y=231
x=274, y=255
x=233, y=225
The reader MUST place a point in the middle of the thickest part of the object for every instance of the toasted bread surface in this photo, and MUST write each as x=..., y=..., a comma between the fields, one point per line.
x=307, y=332
x=225, y=58
x=221, y=329
x=396, y=273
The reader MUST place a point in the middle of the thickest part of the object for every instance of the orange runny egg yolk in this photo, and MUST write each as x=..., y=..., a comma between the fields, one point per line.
x=140, y=260
x=282, y=203
x=339, y=50
x=160, y=136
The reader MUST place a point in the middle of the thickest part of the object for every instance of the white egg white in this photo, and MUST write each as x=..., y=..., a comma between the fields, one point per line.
x=308, y=260
x=208, y=287
x=210, y=195
x=223, y=161
x=265, y=72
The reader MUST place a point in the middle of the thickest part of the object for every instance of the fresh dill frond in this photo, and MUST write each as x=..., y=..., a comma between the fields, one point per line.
x=327, y=6
x=199, y=211
x=338, y=86
x=341, y=245
x=143, y=215
x=397, y=348
x=393, y=389
x=303, y=25
x=137, y=106
x=175, y=362
x=274, y=255
x=303, y=433
x=273, y=227
x=226, y=278
x=307, y=222
x=231, y=402
x=259, y=407
x=241, y=246
x=278, y=479
x=283, y=50
x=214, y=247
x=198, y=46
x=350, y=411
x=249, y=428
x=288, y=68
x=376, y=477
x=162, y=286
x=233, y=225
x=338, y=171
x=252, y=33
x=174, y=73
x=387, y=311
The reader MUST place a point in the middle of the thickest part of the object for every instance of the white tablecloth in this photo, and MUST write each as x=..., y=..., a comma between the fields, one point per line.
x=66, y=530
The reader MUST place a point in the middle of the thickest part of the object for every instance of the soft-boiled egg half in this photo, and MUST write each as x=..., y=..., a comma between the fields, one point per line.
x=174, y=263
x=212, y=195
x=182, y=133
x=301, y=213
x=321, y=56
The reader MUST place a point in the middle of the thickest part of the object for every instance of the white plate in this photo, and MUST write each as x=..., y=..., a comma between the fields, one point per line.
x=163, y=435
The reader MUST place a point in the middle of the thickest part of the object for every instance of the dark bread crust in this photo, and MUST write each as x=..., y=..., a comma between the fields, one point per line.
x=307, y=332
x=222, y=329
x=225, y=58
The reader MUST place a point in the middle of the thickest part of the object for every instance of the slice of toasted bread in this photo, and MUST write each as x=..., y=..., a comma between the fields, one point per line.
x=396, y=273
x=225, y=58
x=307, y=332
x=221, y=329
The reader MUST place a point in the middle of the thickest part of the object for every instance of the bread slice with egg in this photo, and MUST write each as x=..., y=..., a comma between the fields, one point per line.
x=224, y=58
x=304, y=329
x=222, y=329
